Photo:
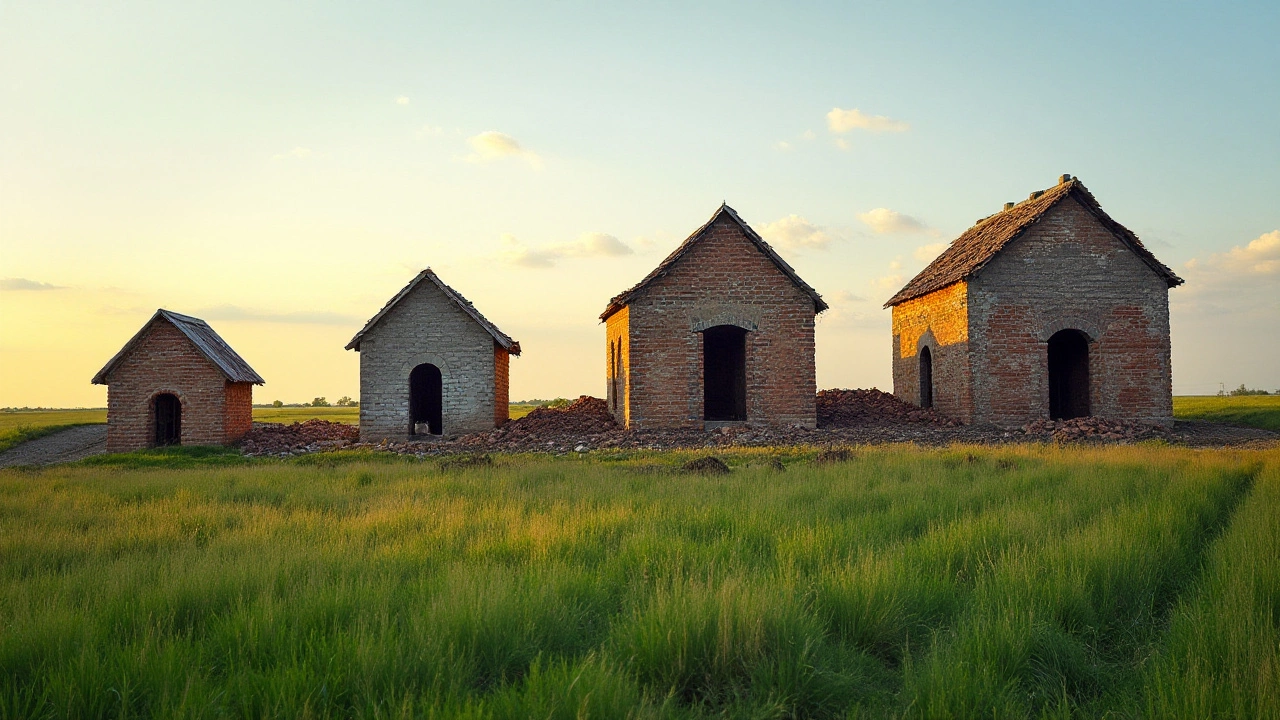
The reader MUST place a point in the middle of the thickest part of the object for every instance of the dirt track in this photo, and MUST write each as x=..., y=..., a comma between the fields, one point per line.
x=64, y=446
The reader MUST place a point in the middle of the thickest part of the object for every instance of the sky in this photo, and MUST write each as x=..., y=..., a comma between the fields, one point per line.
x=283, y=169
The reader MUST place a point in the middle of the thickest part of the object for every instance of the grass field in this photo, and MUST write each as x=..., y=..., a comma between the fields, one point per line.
x=1028, y=581
x=16, y=427
x=1261, y=411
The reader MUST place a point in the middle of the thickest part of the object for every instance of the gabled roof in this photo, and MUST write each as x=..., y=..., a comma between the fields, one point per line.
x=620, y=301
x=208, y=342
x=979, y=244
x=464, y=304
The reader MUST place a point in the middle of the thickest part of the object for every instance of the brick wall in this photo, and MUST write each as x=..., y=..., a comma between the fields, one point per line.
x=722, y=280
x=1069, y=272
x=238, y=411
x=617, y=354
x=164, y=360
x=426, y=327
x=501, y=385
x=939, y=321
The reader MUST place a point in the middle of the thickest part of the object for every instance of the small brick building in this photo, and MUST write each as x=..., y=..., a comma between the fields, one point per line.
x=431, y=364
x=1048, y=309
x=176, y=382
x=720, y=332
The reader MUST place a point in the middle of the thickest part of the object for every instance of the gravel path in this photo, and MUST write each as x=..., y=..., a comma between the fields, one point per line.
x=64, y=446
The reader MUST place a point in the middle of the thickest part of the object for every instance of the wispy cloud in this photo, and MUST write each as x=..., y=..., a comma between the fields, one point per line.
x=1242, y=282
x=588, y=245
x=1260, y=257
x=843, y=121
x=298, y=153
x=795, y=232
x=493, y=145
x=235, y=313
x=25, y=284
x=884, y=220
x=402, y=100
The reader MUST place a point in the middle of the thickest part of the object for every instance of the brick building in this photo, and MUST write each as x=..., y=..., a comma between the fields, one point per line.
x=1048, y=309
x=720, y=332
x=176, y=382
x=431, y=364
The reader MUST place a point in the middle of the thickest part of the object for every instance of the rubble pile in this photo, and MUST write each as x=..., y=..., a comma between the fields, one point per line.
x=853, y=408
x=585, y=415
x=1093, y=429
x=298, y=438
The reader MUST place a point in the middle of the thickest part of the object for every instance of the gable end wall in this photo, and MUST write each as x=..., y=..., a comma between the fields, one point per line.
x=214, y=411
x=1069, y=271
x=722, y=279
x=427, y=327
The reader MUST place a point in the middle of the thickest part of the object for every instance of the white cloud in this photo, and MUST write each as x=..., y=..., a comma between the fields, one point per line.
x=402, y=100
x=926, y=253
x=25, y=284
x=429, y=131
x=842, y=143
x=884, y=220
x=843, y=121
x=493, y=145
x=588, y=245
x=298, y=153
x=235, y=313
x=794, y=232
x=1243, y=280
x=782, y=145
x=1260, y=257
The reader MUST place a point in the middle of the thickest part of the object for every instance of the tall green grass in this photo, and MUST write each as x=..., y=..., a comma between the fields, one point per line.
x=1019, y=582
x=1222, y=655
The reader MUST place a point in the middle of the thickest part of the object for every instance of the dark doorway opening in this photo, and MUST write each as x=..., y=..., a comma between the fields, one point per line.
x=426, y=400
x=168, y=420
x=926, y=378
x=1068, y=375
x=724, y=373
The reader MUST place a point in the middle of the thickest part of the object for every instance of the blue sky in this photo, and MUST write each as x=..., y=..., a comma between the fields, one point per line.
x=282, y=170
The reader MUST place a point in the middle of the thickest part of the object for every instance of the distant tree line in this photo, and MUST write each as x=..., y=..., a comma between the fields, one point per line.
x=1242, y=390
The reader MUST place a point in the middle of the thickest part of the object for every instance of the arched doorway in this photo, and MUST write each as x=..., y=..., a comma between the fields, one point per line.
x=926, y=378
x=724, y=373
x=426, y=399
x=168, y=420
x=1068, y=375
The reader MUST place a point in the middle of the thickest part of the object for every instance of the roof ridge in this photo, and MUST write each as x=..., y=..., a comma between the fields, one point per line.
x=205, y=339
x=512, y=346
x=622, y=299
x=986, y=238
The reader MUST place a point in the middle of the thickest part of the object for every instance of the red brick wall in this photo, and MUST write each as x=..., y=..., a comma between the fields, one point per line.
x=1069, y=271
x=723, y=279
x=940, y=321
x=617, y=357
x=165, y=361
x=501, y=385
x=238, y=412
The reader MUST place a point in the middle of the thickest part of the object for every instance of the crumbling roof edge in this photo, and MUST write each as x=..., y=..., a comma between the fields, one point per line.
x=935, y=276
x=499, y=337
x=624, y=298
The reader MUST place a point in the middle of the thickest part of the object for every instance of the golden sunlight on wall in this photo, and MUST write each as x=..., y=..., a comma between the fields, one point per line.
x=944, y=311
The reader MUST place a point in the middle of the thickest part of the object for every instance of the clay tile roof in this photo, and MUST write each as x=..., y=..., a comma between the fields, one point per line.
x=208, y=342
x=972, y=250
x=464, y=304
x=620, y=301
